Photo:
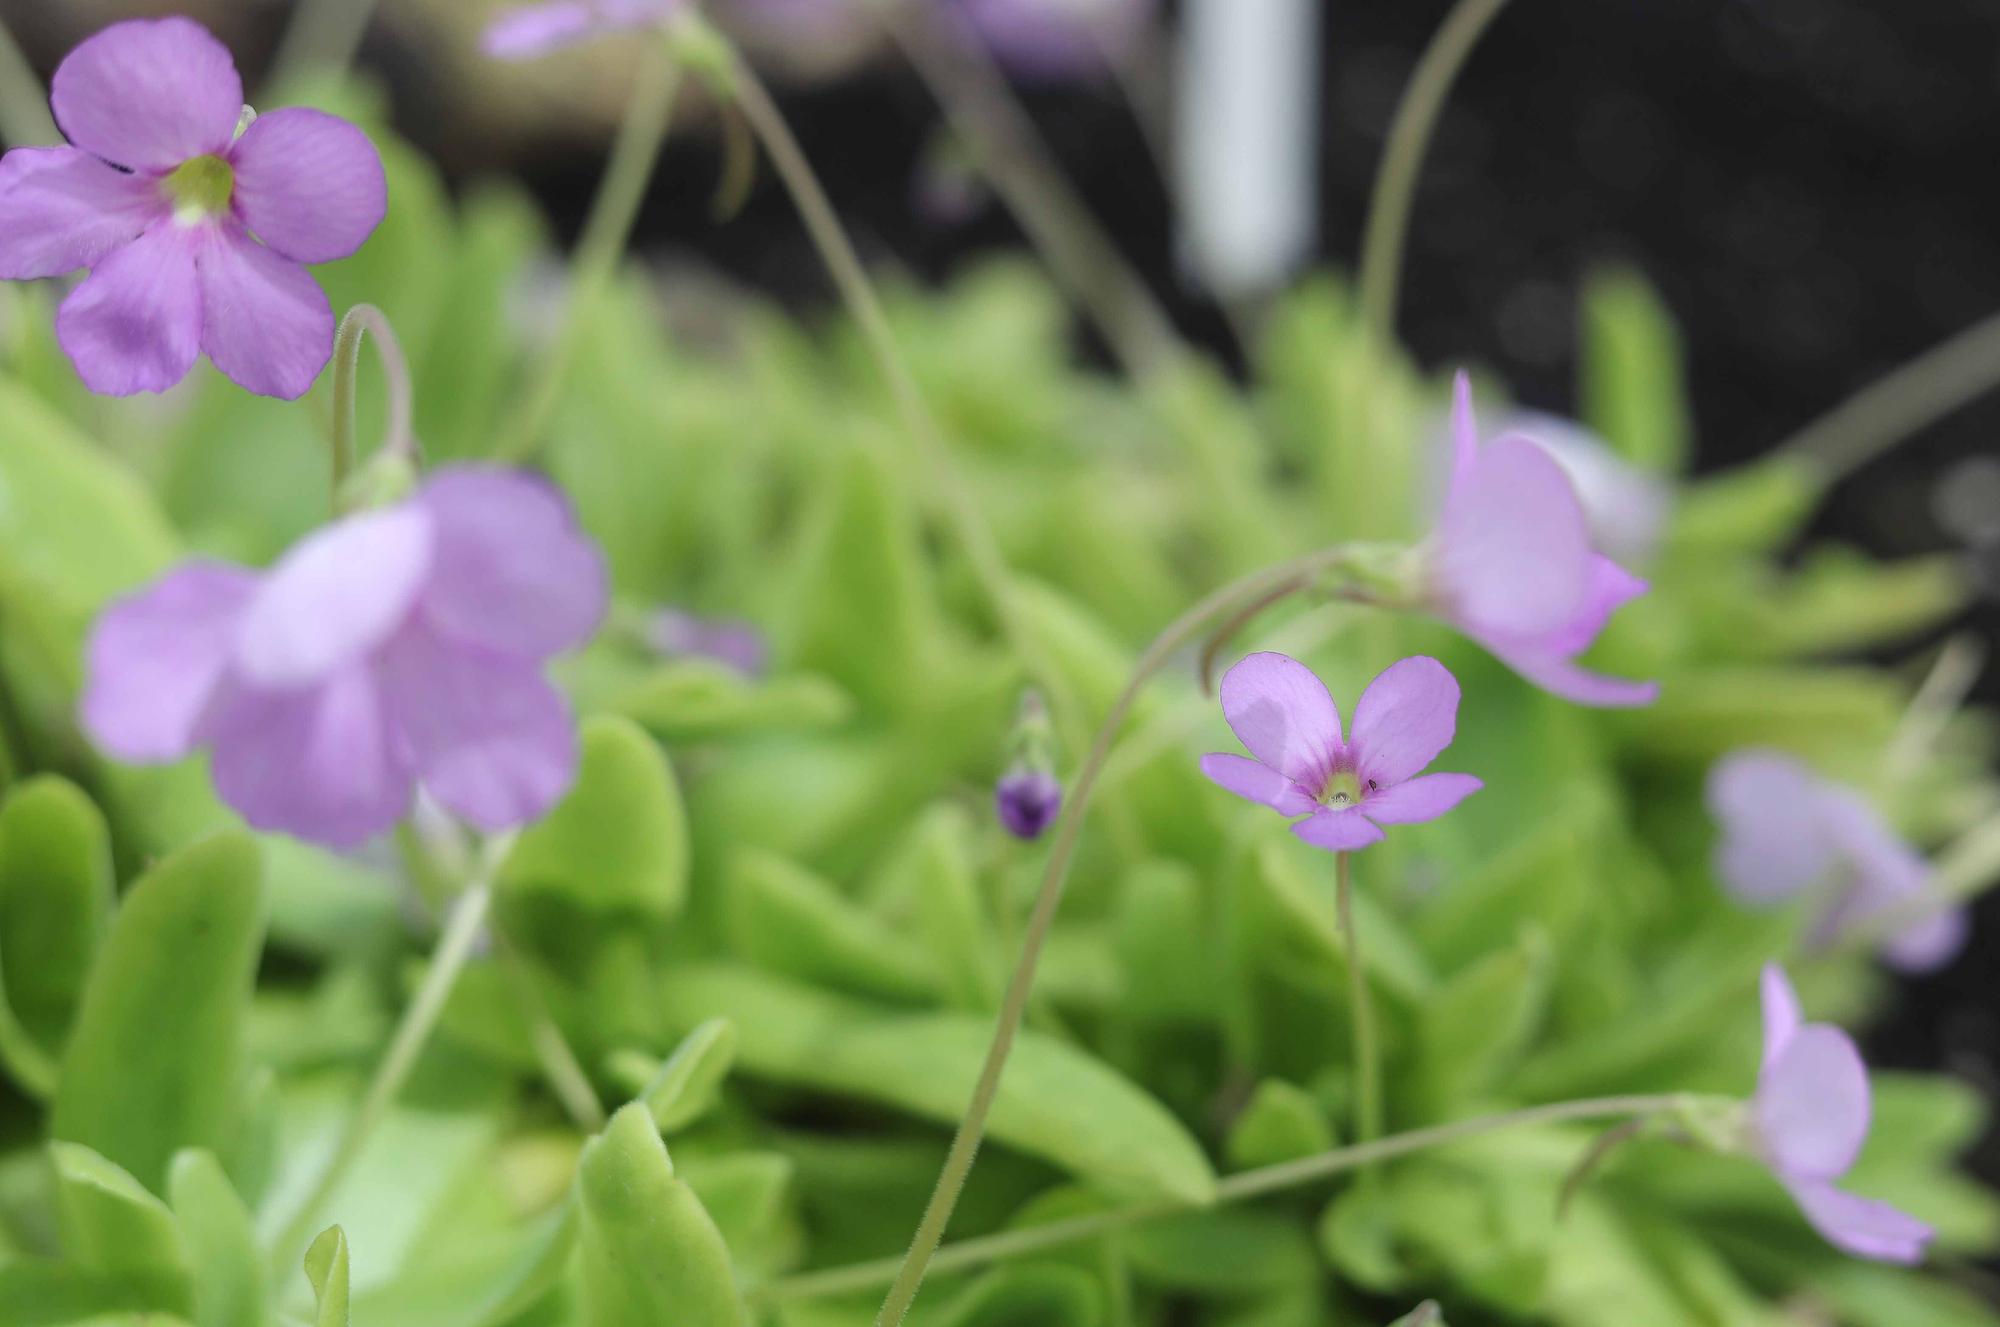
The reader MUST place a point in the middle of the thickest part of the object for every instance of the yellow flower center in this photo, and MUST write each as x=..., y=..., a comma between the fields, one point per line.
x=199, y=188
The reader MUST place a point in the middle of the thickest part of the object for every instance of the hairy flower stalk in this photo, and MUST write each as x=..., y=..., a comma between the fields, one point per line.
x=399, y=444
x=1361, y=1009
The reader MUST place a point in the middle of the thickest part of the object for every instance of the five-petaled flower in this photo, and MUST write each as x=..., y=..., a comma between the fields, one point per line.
x=1809, y=1119
x=196, y=236
x=1511, y=564
x=1786, y=830
x=533, y=31
x=1346, y=789
x=399, y=646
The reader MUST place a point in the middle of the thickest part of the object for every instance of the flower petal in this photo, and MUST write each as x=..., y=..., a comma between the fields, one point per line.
x=154, y=659
x=1338, y=831
x=513, y=572
x=490, y=739
x=320, y=763
x=134, y=325
x=1610, y=588
x=1627, y=506
x=335, y=598
x=535, y=30
x=148, y=93
x=309, y=184
x=1285, y=715
x=265, y=321
x=1559, y=676
x=1813, y=1104
x=1258, y=783
x=1775, y=838
x=1464, y=434
x=1406, y=717
x=1512, y=553
x=1862, y=1226
x=61, y=209
x=1781, y=1014
x=1930, y=943
x=1418, y=799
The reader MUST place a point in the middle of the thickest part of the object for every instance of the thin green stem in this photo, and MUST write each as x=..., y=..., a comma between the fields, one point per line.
x=1403, y=158
x=606, y=231
x=561, y=1070
x=454, y=948
x=24, y=103
x=323, y=37
x=367, y=320
x=1361, y=1009
x=1008, y=149
x=1069, y=827
x=1235, y=1188
x=1925, y=390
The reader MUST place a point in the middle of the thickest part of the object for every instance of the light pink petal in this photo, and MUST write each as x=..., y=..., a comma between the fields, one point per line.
x=513, y=572
x=1512, y=553
x=1628, y=507
x=490, y=739
x=1930, y=943
x=61, y=209
x=309, y=184
x=535, y=30
x=1559, y=676
x=154, y=658
x=1610, y=588
x=1338, y=831
x=1813, y=1104
x=265, y=321
x=1285, y=716
x=320, y=764
x=1770, y=809
x=1419, y=799
x=1781, y=1015
x=134, y=325
x=148, y=93
x=335, y=598
x=1862, y=1226
x=1406, y=717
x=1258, y=783
x=1464, y=434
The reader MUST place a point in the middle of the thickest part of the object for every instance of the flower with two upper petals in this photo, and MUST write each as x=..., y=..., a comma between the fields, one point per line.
x=196, y=236
x=1786, y=830
x=1808, y=1121
x=532, y=31
x=397, y=647
x=1304, y=766
x=1511, y=564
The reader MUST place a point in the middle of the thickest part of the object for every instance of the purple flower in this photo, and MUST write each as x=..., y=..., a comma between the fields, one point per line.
x=196, y=236
x=1346, y=789
x=736, y=644
x=1511, y=564
x=1809, y=1119
x=1027, y=801
x=533, y=31
x=1053, y=39
x=1626, y=508
x=1786, y=830
x=399, y=646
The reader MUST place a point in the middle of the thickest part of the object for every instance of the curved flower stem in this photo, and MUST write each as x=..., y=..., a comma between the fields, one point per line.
x=606, y=231
x=1396, y=179
x=454, y=947
x=564, y=1074
x=1235, y=1188
x=983, y=110
x=24, y=105
x=323, y=37
x=1069, y=827
x=366, y=319
x=1924, y=390
x=1361, y=1009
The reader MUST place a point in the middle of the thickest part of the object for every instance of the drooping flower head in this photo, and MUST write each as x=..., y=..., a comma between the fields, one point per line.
x=532, y=31
x=1511, y=564
x=399, y=646
x=1787, y=830
x=196, y=235
x=1053, y=39
x=1625, y=507
x=1809, y=1119
x=1029, y=796
x=1346, y=789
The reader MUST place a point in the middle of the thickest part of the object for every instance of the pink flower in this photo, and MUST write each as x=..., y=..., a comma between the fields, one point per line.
x=532, y=31
x=1511, y=564
x=1346, y=790
x=399, y=646
x=196, y=237
x=1809, y=1119
x=1786, y=830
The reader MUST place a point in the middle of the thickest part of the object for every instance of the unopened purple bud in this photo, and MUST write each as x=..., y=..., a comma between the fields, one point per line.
x=1028, y=801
